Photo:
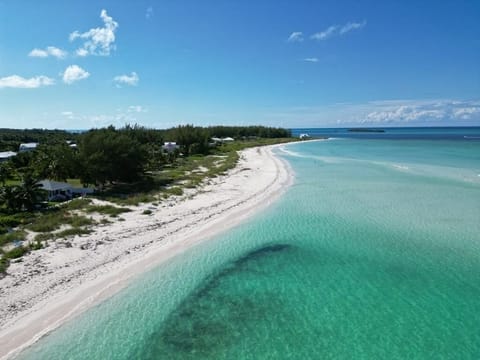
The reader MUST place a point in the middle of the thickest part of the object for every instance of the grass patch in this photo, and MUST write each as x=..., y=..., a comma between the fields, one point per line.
x=52, y=221
x=13, y=236
x=11, y=221
x=77, y=204
x=44, y=237
x=16, y=253
x=110, y=210
x=177, y=191
x=4, y=263
x=72, y=232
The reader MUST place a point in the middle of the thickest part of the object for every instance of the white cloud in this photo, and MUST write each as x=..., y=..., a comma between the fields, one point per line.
x=81, y=52
x=466, y=113
x=325, y=34
x=98, y=41
x=49, y=51
x=68, y=114
x=296, y=36
x=335, y=30
x=311, y=59
x=352, y=26
x=439, y=112
x=423, y=111
x=149, y=13
x=136, y=109
x=406, y=113
x=15, y=81
x=74, y=73
x=38, y=53
x=131, y=79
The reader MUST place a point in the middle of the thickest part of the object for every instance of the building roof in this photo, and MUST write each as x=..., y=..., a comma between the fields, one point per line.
x=32, y=145
x=51, y=185
x=7, y=154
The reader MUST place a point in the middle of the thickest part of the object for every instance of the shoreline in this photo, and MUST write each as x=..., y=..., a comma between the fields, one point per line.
x=54, y=285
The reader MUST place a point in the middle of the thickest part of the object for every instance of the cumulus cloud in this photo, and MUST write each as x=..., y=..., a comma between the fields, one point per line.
x=48, y=51
x=439, y=112
x=311, y=59
x=74, y=73
x=466, y=113
x=335, y=30
x=131, y=79
x=296, y=36
x=97, y=41
x=423, y=111
x=15, y=81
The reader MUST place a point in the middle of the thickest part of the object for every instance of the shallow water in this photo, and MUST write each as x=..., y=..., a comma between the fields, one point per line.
x=374, y=252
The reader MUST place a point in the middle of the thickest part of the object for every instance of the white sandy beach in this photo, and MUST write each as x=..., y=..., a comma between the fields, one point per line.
x=54, y=284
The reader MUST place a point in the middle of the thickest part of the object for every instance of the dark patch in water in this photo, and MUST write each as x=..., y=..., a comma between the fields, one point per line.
x=264, y=251
x=239, y=265
x=207, y=319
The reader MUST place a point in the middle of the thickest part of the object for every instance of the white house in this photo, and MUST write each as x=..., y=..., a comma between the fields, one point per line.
x=304, y=136
x=227, y=139
x=58, y=191
x=170, y=146
x=27, y=147
x=5, y=155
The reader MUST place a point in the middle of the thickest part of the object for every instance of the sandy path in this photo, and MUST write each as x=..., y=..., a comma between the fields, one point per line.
x=52, y=285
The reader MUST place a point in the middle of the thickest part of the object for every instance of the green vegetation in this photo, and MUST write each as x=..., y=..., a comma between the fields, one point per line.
x=111, y=210
x=127, y=166
x=18, y=235
x=47, y=222
x=15, y=253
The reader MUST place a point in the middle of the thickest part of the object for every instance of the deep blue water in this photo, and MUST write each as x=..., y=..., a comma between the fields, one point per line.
x=400, y=133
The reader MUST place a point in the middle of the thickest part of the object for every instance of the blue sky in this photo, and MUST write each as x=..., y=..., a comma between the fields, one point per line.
x=82, y=64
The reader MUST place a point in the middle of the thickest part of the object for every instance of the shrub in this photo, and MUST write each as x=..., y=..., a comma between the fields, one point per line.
x=37, y=245
x=147, y=212
x=16, y=253
x=77, y=204
x=4, y=265
x=178, y=191
x=44, y=237
x=72, y=232
x=111, y=210
x=9, y=237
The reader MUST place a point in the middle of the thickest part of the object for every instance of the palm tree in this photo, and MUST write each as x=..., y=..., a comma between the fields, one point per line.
x=29, y=192
x=5, y=172
x=9, y=197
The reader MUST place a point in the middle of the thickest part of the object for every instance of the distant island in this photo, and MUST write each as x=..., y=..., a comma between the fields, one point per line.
x=366, y=130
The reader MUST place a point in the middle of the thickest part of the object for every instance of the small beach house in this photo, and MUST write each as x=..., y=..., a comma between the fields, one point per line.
x=60, y=191
x=170, y=146
x=5, y=155
x=27, y=147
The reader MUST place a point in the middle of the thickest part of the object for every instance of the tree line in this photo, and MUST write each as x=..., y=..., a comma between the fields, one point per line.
x=104, y=156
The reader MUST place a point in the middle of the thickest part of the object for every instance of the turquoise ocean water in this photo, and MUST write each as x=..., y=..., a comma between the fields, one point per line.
x=373, y=253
